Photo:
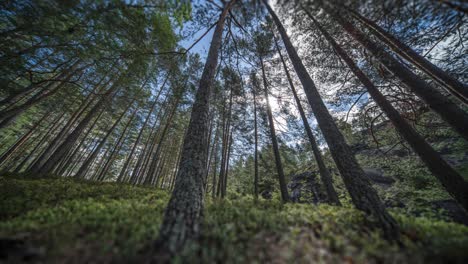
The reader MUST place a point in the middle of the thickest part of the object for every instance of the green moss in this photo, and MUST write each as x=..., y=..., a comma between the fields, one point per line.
x=115, y=223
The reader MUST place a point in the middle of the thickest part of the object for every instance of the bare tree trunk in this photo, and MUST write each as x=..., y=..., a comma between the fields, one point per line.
x=325, y=175
x=182, y=217
x=137, y=141
x=364, y=197
x=47, y=133
x=69, y=163
x=274, y=141
x=22, y=139
x=116, y=148
x=256, y=191
x=50, y=164
x=34, y=168
x=84, y=167
x=447, y=176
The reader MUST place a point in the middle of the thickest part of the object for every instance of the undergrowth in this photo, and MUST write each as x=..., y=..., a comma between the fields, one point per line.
x=65, y=220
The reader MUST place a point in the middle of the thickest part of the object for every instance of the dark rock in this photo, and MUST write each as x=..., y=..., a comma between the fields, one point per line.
x=14, y=250
x=377, y=176
x=305, y=188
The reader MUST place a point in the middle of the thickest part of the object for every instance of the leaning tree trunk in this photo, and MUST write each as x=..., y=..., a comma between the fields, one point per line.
x=37, y=164
x=6, y=155
x=182, y=217
x=58, y=154
x=448, y=110
x=363, y=195
x=84, y=167
x=325, y=175
x=455, y=87
x=9, y=115
x=447, y=176
x=45, y=136
x=274, y=140
x=256, y=145
x=117, y=147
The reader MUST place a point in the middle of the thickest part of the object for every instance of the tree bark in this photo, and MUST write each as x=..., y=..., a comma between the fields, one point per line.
x=363, y=195
x=183, y=213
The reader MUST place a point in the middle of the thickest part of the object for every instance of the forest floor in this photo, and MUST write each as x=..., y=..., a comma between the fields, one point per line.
x=67, y=221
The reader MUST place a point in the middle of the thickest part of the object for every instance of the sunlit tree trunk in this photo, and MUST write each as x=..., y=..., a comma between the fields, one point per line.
x=274, y=140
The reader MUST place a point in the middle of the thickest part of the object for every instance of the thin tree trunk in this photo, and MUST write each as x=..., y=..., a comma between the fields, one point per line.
x=34, y=168
x=22, y=139
x=130, y=157
x=274, y=140
x=256, y=191
x=84, y=167
x=50, y=164
x=325, y=175
x=362, y=193
x=447, y=176
x=182, y=217
x=47, y=133
x=117, y=147
x=150, y=176
x=65, y=164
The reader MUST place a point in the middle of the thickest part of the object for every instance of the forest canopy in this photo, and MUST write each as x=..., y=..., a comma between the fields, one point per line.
x=225, y=130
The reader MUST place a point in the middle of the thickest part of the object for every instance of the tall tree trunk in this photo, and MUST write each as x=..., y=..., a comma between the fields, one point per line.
x=256, y=144
x=34, y=168
x=116, y=148
x=22, y=139
x=274, y=140
x=69, y=163
x=228, y=158
x=182, y=217
x=215, y=168
x=455, y=87
x=45, y=136
x=449, y=111
x=447, y=176
x=325, y=175
x=150, y=177
x=84, y=167
x=137, y=141
x=65, y=163
x=227, y=148
x=50, y=164
x=362, y=193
